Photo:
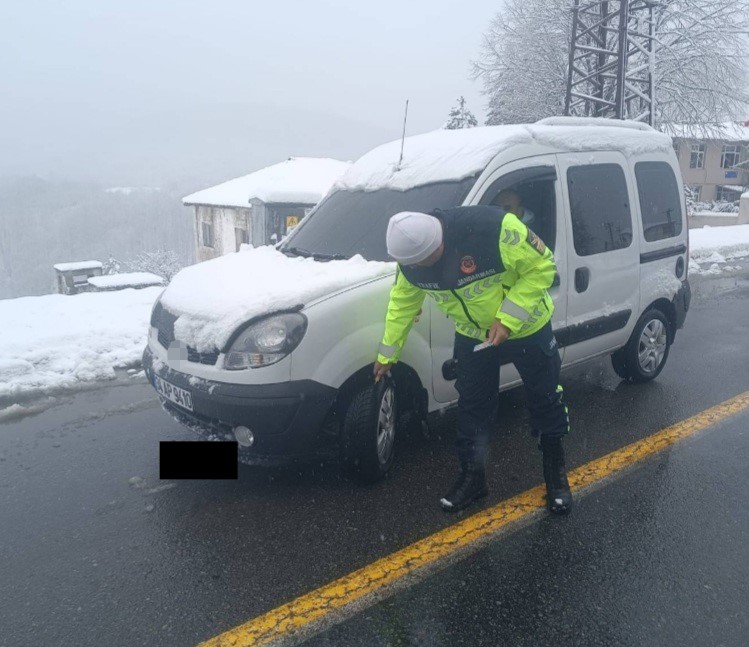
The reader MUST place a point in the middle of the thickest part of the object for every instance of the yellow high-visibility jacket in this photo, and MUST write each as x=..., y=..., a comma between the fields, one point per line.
x=493, y=267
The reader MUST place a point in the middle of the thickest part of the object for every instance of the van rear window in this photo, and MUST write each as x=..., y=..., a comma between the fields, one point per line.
x=660, y=202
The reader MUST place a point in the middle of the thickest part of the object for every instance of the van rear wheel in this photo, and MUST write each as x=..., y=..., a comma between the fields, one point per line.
x=369, y=431
x=646, y=352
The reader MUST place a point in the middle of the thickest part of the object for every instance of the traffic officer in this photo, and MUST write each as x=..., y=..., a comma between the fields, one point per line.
x=491, y=274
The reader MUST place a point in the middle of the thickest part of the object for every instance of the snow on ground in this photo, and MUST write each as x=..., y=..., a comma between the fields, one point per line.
x=712, y=249
x=57, y=342
x=212, y=299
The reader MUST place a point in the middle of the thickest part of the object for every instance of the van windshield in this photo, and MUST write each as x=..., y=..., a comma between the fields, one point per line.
x=347, y=223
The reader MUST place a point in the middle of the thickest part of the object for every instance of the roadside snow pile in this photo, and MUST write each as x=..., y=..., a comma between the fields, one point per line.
x=125, y=280
x=711, y=248
x=213, y=298
x=55, y=341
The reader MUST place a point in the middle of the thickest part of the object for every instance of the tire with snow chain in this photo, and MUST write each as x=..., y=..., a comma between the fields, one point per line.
x=646, y=352
x=369, y=431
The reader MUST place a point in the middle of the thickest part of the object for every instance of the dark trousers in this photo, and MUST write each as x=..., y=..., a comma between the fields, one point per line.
x=536, y=359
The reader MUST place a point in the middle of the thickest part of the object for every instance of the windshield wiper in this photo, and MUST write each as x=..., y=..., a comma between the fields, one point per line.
x=318, y=256
x=297, y=251
x=329, y=257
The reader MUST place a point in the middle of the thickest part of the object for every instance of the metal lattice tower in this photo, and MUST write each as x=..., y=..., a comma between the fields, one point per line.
x=612, y=59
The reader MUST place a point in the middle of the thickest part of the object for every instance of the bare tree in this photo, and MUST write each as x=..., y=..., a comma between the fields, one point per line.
x=162, y=262
x=700, y=60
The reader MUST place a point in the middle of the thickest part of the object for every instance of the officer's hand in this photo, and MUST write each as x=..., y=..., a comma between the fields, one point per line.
x=498, y=333
x=380, y=371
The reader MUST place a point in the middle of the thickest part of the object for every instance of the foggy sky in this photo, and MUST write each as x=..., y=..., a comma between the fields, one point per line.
x=149, y=92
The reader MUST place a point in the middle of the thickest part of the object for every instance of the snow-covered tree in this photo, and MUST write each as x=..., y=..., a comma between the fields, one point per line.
x=162, y=262
x=701, y=51
x=111, y=266
x=461, y=117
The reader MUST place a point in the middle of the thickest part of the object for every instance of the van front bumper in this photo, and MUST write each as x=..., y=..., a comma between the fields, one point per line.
x=286, y=419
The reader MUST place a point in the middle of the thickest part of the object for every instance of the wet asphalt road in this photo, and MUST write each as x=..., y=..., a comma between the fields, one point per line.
x=95, y=550
x=657, y=557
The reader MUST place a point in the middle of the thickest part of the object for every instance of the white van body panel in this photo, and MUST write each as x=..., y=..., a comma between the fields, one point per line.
x=658, y=279
x=345, y=330
x=614, y=276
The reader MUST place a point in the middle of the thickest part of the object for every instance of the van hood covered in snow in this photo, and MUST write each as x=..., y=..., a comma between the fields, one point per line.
x=212, y=299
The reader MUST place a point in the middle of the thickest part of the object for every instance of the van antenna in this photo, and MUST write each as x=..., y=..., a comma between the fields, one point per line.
x=403, y=137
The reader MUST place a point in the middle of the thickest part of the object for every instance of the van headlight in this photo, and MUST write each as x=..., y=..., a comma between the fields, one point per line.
x=266, y=341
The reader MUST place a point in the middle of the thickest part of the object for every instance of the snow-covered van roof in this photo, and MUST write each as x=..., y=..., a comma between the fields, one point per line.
x=444, y=155
x=78, y=265
x=298, y=180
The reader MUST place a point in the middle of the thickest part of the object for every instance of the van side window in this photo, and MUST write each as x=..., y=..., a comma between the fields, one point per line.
x=529, y=194
x=599, y=206
x=660, y=202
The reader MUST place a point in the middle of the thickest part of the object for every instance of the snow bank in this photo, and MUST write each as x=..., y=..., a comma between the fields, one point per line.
x=456, y=154
x=710, y=248
x=56, y=341
x=125, y=280
x=212, y=299
x=303, y=180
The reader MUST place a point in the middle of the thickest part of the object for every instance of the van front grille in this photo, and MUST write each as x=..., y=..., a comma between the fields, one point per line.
x=163, y=321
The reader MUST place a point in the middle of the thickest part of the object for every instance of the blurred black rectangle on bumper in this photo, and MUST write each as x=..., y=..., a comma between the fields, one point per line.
x=198, y=460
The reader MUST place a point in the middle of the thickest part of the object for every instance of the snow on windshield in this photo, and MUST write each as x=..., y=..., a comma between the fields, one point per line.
x=212, y=299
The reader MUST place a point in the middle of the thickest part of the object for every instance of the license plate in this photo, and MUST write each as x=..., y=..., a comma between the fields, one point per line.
x=173, y=393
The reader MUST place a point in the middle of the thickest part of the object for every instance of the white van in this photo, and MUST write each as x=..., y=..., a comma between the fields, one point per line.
x=274, y=347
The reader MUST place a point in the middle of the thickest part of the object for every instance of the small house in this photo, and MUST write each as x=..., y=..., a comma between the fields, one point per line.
x=259, y=208
x=72, y=278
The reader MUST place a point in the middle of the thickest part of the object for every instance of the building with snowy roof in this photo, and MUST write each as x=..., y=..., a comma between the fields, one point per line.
x=714, y=159
x=72, y=278
x=262, y=207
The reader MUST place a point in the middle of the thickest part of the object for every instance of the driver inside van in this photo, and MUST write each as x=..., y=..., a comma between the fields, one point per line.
x=511, y=202
x=490, y=274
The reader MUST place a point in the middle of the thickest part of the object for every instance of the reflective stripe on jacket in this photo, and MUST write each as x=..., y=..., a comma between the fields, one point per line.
x=493, y=267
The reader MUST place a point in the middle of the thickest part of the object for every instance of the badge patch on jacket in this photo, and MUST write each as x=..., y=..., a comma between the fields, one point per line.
x=467, y=265
x=535, y=242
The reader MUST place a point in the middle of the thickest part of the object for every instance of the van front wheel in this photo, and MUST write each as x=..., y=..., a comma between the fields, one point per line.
x=646, y=352
x=369, y=431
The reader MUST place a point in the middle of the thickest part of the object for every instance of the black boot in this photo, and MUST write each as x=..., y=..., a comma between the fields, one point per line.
x=470, y=487
x=558, y=495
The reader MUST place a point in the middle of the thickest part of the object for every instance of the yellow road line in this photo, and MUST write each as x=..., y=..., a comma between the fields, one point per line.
x=282, y=622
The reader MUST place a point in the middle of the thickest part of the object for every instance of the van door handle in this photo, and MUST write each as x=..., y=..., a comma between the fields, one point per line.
x=582, y=279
